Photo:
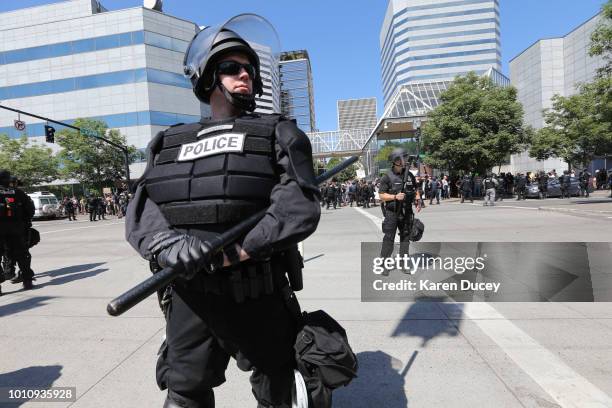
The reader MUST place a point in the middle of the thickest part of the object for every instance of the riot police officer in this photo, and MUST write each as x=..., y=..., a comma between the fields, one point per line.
x=585, y=178
x=490, y=184
x=543, y=184
x=398, y=188
x=521, y=186
x=565, y=180
x=202, y=178
x=332, y=192
x=16, y=212
x=466, y=188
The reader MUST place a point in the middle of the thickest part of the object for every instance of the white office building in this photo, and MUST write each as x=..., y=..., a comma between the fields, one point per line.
x=425, y=41
x=75, y=59
x=357, y=113
x=554, y=66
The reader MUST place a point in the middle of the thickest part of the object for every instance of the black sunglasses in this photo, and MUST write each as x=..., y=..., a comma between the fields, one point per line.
x=234, y=68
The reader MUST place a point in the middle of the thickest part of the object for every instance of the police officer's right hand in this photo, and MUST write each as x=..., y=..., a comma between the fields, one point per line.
x=400, y=196
x=172, y=248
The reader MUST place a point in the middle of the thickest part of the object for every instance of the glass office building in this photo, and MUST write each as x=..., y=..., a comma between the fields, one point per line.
x=424, y=41
x=296, y=89
x=75, y=59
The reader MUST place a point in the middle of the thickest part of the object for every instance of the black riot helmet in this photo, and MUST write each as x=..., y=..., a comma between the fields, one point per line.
x=398, y=153
x=243, y=34
x=5, y=178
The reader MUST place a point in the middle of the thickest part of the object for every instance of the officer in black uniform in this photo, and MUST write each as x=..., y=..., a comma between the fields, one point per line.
x=332, y=191
x=466, y=188
x=565, y=180
x=543, y=184
x=201, y=179
x=521, y=187
x=390, y=193
x=585, y=177
x=16, y=212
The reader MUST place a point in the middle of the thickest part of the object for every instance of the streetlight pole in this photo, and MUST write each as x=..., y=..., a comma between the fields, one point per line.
x=417, y=124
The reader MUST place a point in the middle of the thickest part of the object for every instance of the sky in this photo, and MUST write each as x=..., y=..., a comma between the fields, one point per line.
x=342, y=36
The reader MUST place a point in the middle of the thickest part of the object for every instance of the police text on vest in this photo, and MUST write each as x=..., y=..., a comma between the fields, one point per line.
x=224, y=143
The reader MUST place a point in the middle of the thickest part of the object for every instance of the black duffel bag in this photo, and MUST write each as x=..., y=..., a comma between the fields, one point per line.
x=34, y=237
x=324, y=357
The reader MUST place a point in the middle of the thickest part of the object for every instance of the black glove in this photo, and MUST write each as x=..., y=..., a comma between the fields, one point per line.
x=172, y=248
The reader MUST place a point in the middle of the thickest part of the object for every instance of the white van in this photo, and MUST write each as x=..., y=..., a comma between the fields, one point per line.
x=45, y=204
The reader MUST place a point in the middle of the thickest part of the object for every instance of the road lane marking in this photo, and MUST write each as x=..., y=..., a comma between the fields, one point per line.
x=555, y=377
x=505, y=206
x=566, y=386
x=376, y=220
x=72, y=229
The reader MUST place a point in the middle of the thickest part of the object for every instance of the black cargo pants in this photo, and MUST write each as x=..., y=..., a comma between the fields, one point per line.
x=15, y=239
x=390, y=226
x=204, y=330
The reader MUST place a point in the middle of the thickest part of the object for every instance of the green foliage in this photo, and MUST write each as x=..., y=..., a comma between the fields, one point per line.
x=32, y=163
x=578, y=127
x=601, y=39
x=384, y=152
x=89, y=160
x=475, y=128
x=350, y=173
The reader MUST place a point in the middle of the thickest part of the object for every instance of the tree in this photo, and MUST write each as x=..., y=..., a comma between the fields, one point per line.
x=574, y=130
x=32, y=163
x=90, y=160
x=350, y=173
x=601, y=39
x=476, y=127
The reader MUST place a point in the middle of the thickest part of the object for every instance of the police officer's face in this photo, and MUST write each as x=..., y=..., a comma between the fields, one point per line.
x=241, y=82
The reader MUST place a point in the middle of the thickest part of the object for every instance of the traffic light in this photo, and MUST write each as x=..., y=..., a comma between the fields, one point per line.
x=49, y=134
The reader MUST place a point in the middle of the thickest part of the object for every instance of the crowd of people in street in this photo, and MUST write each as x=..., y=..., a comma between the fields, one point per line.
x=98, y=207
x=364, y=193
x=490, y=187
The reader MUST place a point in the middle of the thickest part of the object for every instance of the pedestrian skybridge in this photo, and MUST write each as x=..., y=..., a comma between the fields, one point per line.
x=405, y=113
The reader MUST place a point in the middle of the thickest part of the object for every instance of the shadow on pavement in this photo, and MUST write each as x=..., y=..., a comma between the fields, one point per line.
x=36, y=377
x=26, y=304
x=427, y=329
x=380, y=383
x=69, y=274
x=70, y=269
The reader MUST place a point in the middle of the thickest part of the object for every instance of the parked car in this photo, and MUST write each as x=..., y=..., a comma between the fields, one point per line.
x=554, y=188
x=46, y=204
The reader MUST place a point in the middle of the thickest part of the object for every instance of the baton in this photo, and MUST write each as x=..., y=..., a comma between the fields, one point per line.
x=163, y=278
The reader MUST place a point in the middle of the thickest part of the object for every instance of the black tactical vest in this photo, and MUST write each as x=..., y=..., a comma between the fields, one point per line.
x=10, y=208
x=214, y=174
x=396, y=181
x=488, y=183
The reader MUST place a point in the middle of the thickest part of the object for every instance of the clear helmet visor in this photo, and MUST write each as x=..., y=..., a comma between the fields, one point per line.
x=254, y=29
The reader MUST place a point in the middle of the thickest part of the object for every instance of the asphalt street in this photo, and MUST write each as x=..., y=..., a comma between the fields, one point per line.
x=421, y=354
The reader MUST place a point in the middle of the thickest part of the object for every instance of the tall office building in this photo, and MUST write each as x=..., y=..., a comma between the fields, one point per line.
x=296, y=89
x=357, y=113
x=74, y=59
x=553, y=66
x=549, y=67
x=424, y=41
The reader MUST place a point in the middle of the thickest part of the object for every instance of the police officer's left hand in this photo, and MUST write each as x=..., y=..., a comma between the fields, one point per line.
x=172, y=248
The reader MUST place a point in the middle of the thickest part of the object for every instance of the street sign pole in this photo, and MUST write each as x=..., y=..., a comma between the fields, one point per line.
x=86, y=132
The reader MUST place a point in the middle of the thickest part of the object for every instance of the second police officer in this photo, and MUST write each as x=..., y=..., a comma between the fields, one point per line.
x=16, y=212
x=393, y=193
x=204, y=177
